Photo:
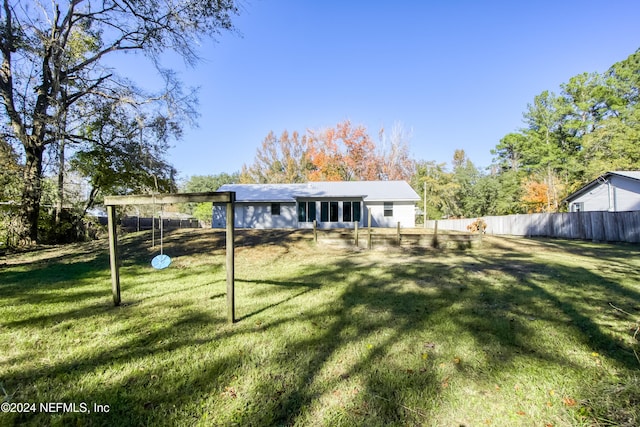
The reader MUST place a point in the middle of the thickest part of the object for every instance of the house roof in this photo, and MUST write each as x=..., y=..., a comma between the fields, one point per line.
x=367, y=190
x=634, y=175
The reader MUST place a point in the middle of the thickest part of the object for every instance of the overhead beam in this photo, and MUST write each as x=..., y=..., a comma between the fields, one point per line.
x=167, y=199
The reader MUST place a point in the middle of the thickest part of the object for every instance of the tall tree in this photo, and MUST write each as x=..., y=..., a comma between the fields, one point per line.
x=510, y=151
x=279, y=160
x=465, y=176
x=395, y=161
x=544, y=151
x=128, y=155
x=346, y=153
x=43, y=78
x=614, y=143
x=202, y=183
x=326, y=157
x=440, y=188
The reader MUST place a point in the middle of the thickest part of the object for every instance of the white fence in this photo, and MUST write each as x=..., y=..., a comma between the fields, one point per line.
x=596, y=226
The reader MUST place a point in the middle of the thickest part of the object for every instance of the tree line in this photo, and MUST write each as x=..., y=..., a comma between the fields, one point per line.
x=568, y=139
x=67, y=112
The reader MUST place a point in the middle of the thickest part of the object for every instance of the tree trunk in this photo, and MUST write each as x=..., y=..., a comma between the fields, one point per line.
x=31, y=194
x=92, y=199
x=60, y=201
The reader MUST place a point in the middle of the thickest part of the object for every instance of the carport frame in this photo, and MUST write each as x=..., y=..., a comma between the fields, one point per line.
x=227, y=197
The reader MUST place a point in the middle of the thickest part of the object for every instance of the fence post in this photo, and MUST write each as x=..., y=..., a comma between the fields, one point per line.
x=315, y=231
x=369, y=244
x=434, y=242
x=356, y=234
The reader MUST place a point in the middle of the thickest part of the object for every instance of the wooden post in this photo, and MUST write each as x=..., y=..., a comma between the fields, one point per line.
x=435, y=234
x=369, y=243
x=231, y=303
x=315, y=231
x=356, y=234
x=113, y=254
x=398, y=233
x=424, y=207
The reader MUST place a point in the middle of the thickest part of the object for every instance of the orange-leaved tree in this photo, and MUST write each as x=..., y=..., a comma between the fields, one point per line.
x=536, y=196
x=341, y=153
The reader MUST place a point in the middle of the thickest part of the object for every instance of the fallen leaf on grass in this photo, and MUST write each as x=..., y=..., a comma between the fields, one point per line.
x=445, y=383
x=229, y=391
x=568, y=401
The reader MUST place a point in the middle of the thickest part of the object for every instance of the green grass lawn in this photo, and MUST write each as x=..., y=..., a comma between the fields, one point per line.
x=513, y=332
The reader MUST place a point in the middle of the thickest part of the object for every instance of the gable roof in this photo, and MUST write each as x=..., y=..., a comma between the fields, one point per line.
x=367, y=190
x=633, y=175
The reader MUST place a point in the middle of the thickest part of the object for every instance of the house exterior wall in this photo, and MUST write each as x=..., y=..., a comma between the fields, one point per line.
x=626, y=194
x=618, y=194
x=403, y=212
x=258, y=215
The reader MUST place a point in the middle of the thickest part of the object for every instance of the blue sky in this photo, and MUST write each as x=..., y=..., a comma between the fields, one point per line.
x=457, y=74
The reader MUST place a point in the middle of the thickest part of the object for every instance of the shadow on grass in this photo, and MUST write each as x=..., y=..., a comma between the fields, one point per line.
x=363, y=316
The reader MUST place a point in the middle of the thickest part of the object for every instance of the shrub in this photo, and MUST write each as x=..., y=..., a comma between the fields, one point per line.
x=477, y=225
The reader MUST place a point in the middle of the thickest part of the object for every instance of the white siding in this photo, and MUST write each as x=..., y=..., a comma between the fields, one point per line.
x=619, y=194
x=626, y=194
x=403, y=212
x=257, y=215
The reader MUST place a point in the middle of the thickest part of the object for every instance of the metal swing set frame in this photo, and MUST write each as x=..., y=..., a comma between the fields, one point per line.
x=227, y=197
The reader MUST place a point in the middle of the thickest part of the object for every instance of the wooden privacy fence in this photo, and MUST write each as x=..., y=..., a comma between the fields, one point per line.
x=595, y=226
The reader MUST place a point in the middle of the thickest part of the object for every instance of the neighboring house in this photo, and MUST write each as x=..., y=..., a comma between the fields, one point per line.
x=615, y=191
x=331, y=204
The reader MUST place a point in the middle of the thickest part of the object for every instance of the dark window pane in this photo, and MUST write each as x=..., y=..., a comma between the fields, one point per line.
x=333, y=211
x=311, y=216
x=302, y=211
x=324, y=211
x=356, y=211
x=346, y=211
x=275, y=208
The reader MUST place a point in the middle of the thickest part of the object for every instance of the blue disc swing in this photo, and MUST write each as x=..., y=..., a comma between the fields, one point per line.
x=161, y=261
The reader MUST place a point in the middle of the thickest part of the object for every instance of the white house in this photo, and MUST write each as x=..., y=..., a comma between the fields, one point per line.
x=331, y=204
x=616, y=191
